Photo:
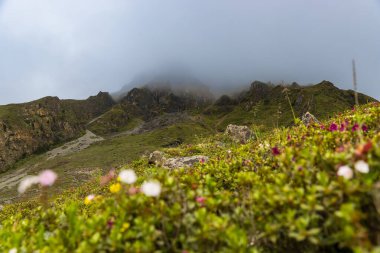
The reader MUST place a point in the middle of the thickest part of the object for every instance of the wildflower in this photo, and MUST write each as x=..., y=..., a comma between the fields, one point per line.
x=346, y=172
x=27, y=182
x=276, y=151
x=364, y=128
x=127, y=176
x=333, y=127
x=151, y=188
x=89, y=199
x=342, y=127
x=47, y=178
x=363, y=149
x=110, y=223
x=202, y=161
x=200, y=200
x=14, y=250
x=115, y=188
x=355, y=127
x=362, y=166
x=107, y=178
x=125, y=226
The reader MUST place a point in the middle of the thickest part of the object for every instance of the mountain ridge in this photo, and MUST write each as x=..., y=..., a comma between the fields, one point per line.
x=39, y=125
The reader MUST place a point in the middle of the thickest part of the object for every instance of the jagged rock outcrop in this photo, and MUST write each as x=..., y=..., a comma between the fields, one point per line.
x=35, y=126
x=152, y=101
x=240, y=134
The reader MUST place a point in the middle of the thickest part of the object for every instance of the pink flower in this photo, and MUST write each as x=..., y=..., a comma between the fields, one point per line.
x=342, y=127
x=47, y=177
x=200, y=200
x=364, y=128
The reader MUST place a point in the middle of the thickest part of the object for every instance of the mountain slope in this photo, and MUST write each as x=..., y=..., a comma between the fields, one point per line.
x=35, y=126
x=298, y=189
x=267, y=106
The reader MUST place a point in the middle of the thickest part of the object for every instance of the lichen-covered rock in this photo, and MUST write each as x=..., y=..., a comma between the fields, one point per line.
x=157, y=158
x=184, y=162
x=308, y=119
x=239, y=134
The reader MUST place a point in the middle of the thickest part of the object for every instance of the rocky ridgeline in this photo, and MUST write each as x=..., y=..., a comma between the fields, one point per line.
x=37, y=125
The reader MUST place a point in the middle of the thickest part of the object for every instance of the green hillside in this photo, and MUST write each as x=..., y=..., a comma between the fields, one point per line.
x=296, y=189
x=34, y=127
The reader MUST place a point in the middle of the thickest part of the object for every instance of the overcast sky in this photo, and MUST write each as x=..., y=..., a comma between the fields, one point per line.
x=75, y=48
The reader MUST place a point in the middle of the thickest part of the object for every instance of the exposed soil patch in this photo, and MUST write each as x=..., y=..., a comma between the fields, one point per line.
x=74, y=146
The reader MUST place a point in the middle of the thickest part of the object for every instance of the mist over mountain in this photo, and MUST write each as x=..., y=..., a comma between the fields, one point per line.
x=176, y=78
x=73, y=49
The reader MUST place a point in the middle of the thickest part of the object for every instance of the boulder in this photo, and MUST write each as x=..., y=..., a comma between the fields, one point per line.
x=309, y=119
x=184, y=162
x=157, y=158
x=239, y=134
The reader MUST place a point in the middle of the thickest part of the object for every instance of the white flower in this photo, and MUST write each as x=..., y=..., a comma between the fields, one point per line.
x=346, y=172
x=127, y=176
x=14, y=250
x=362, y=166
x=151, y=188
x=27, y=182
x=47, y=235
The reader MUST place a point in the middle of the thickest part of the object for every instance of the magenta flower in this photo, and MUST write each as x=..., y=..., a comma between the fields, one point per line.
x=364, y=128
x=355, y=127
x=276, y=151
x=110, y=223
x=333, y=127
x=47, y=177
x=342, y=127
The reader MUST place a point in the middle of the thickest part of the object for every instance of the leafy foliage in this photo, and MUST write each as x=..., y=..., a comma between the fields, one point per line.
x=278, y=193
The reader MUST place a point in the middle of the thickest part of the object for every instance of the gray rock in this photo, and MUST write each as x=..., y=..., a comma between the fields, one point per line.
x=239, y=134
x=308, y=119
x=157, y=158
x=184, y=162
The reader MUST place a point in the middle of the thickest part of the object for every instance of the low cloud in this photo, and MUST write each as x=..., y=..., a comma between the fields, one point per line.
x=73, y=49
